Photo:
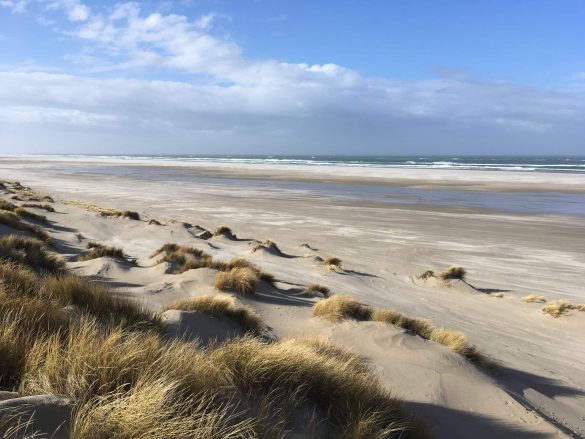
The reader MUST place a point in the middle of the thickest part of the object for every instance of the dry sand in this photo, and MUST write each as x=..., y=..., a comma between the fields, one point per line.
x=538, y=387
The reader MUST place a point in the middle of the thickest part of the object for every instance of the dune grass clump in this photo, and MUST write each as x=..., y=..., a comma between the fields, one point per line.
x=154, y=222
x=119, y=214
x=14, y=222
x=179, y=254
x=7, y=206
x=332, y=261
x=27, y=214
x=269, y=246
x=224, y=231
x=533, y=298
x=46, y=207
x=222, y=306
x=453, y=273
x=312, y=289
x=29, y=252
x=338, y=307
x=559, y=308
x=97, y=250
x=426, y=275
x=242, y=280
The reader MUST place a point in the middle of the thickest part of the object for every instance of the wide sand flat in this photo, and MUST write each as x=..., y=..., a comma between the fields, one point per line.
x=539, y=388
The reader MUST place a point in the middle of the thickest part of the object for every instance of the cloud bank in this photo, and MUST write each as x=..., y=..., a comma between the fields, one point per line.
x=226, y=103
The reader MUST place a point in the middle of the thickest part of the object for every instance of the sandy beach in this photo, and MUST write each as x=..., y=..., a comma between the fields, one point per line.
x=536, y=384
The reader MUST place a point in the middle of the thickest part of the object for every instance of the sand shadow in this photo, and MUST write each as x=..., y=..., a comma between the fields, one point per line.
x=357, y=273
x=519, y=383
x=457, y=424
x=273, y=295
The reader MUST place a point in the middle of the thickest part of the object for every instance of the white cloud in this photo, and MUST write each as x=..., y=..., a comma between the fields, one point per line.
x=233, y=103
x=75, y=10
x=15, y=6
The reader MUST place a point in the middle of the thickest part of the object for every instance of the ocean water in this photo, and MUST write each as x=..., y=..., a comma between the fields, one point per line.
x=559, y=164
x=543, y=203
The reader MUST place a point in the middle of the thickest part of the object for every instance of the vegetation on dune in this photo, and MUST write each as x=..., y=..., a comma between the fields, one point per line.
x=224, y=231
x=23, y=213
x=191, y=258
x=62, y=334
x=453, y=272
x=332, y=261
x=121, y=214
x=222, y=306
x=559, y=308
x=533, y=298
x=317, y=288
x=29, y=252
x=97, y=250
x=154, y=222
x=241, y=280
x=46, y=207
x=339, y=308
x=8, y=206
x=11, y=220
x=426, y=275
x=269, y=246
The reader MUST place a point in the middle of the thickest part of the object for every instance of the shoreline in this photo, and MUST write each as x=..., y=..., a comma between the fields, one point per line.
x=496, y=181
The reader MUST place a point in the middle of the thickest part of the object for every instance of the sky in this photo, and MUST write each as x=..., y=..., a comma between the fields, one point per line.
x=292, y=77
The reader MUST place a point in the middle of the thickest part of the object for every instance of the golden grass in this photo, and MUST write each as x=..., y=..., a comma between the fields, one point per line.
x=7, y=205
x=426, y=275
x=497, y=295
x=559, y=308
x=242, y=280
x=14, y=222
x=23, y=213
x=222, y=306
x=332, y=261
x=46, y=207
x=269, y=246
x=191, y=258
x=533, y=298
x=317, y=288
x=127, y=381
x=30, y=252
x=97, y=250
x=453, y=272
x=121, y=214
x=338, y=307
x=224, y=231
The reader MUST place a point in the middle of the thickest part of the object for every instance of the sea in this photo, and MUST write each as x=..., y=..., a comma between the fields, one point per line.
x=560, y=164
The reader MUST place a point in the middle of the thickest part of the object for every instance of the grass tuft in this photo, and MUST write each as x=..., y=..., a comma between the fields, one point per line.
x=224, y=231
x=222, y=306
x=426, y=275
x=453, y=272
x=559, y=308
x=46, y=207
x=242, y=280
x=154, y=222
x=337, y=308
x=533, y=298
x=23, y=213
x=317, y=288
x=30, y=252
x=14, y=222
x=332, y=261
x=97, y=250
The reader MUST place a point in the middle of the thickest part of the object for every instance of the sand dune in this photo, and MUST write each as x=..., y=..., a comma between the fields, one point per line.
x=537, y=388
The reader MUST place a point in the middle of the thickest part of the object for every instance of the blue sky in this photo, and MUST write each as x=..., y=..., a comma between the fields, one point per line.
x=296, y=77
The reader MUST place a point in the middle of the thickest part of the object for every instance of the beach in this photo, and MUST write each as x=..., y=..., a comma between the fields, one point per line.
x=516, y=234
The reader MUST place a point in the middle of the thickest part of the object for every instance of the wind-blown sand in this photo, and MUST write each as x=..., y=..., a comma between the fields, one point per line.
x=538, y=386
